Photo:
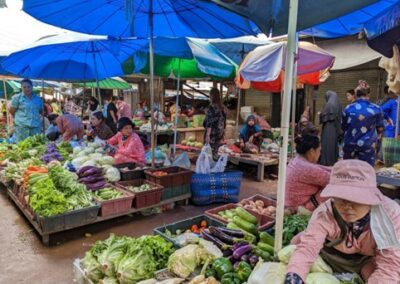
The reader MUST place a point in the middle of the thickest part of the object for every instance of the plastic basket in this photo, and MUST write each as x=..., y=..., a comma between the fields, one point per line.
x=128, y=171
x=176, y=176
x=171, y=192
x=118, y=205
x=68, y=220
x=184, y=225
x=146, y=198
x=264, y=221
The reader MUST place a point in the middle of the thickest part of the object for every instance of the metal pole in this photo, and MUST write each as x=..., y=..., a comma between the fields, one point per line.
x=396, y=123
x=178, y=88
x=43, y=122
x=290, y=52
x=151, y=49
x=238, y=109
x=96, y=74
x=294, y=95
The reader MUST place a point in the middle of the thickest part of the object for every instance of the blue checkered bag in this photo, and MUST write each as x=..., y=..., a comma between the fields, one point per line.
x=216, y=187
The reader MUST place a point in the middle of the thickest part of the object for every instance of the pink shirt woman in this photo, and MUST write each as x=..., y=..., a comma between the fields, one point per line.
x=357, y=230
x=305, y=179
x=126, y=145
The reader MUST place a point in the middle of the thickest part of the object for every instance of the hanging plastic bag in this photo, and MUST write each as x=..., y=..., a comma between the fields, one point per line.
x=182, y=161
x=221, y=164
x=203, y=161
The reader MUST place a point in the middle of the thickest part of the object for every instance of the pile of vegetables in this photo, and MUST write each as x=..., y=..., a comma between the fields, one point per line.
x=259, y=206
x=107, y=193
x=32, y=147
x=92, y=177
x=292, y=225
x=65, y=149
x=92, y=155
x=14, y=171
x=160, y=173
x=51, y=154
x=240, y=218
x=142, y=188
x=126, y=260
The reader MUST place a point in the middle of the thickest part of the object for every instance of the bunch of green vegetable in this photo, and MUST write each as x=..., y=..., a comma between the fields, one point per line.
x=46, y=200
x=292, y=225
x=107, y=193
x=15, y=171
x=65, y=149
x=142, y=188
x=126, y=259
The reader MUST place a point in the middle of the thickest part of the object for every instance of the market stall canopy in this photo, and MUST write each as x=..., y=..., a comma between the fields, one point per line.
x=350, y=23
x=263, y=67
x=237, y=48
x=107, y=84
x=349, y=52
x=12, y=87
x=272, y=16
x=184, y=57
x=72, y=58
x=121, y=18
x=383, y=31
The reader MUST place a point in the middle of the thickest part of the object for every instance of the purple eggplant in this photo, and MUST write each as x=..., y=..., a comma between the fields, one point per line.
x=84, y=169
x=91, y=179
x=97, y=185
x=237, y=254
x=227, y=252
x=253, y=260
x=89, y=172
x=239, y=244
x=220, y=244
x=231, y=232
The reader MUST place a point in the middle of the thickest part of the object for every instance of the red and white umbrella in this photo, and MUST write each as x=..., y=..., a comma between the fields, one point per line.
x=263, y=68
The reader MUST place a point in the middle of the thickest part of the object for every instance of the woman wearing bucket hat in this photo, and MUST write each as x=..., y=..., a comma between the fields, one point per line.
x=356, y=230
x=126, y=146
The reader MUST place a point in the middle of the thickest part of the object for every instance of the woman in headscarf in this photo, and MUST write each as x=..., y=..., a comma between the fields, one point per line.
x=250, y=133
x=357, y=230
x=330, y=119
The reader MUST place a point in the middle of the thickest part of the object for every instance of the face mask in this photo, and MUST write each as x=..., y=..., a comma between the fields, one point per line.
x=383, y=229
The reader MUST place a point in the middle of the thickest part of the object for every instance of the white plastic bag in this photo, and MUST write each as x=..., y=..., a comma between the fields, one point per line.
x=203, y=161
x=221, y=164
x=182, y=161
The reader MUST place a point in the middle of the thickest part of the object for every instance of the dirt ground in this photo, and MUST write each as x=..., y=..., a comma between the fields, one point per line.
x=23, y=258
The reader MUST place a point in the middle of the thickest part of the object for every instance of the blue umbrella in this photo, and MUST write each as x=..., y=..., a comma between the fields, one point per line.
x=72, y=58
x=383, y=31
x=351, y=23
x=272, y=16
x=130, y=18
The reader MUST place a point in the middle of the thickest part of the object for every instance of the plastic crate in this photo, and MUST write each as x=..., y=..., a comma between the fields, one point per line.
x=184, y=225
x=68, y=220
x=264, y=221
x=176, y=176
x=171, y=192
x=146, y=198
x=128, y=172
x=118, y=205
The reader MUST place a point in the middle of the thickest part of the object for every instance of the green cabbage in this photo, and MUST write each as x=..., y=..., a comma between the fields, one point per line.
x=319, y=277
x=319, y=265
x=184, y=261
x=268, y=272
x=106, y=160
x=109, y=280
x=111, y=256
x=92, y=267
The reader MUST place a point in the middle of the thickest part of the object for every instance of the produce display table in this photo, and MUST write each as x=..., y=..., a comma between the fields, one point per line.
x=196, y=132
x=258, y=160
x=393, y=191
x=45, y=235
x=163, y=136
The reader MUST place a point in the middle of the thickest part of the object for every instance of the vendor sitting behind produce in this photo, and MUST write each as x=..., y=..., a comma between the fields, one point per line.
x=126, y=146
x=250, y=133
x=99, y=128
x=69, y=126
x=356, y=231
x=305, y=179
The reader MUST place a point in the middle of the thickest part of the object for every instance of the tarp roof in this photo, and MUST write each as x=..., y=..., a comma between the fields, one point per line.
x=107, y=84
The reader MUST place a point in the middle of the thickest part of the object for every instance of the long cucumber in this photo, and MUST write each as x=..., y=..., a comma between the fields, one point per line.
x=247, y=226
x=242, y=213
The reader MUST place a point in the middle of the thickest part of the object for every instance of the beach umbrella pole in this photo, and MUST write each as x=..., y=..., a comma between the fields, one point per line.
x=151, y=51
x=294, y=95
x=176, y=107
x=43, y=121
x=97, y=75
x=396, y=123
x=238, y=109
x=290, y=56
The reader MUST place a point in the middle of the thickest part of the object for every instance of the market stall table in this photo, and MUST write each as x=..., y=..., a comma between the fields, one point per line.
x=389, y=186
x=259, y=160
x=186, y=133
x=163, y=136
